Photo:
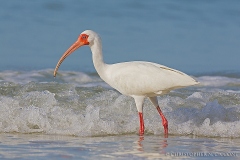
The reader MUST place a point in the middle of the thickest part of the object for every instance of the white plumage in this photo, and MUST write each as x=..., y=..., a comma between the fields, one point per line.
x=145, y=78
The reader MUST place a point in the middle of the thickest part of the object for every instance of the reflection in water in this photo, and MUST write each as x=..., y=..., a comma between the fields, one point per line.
x=147, y=146
x=40, y=146
x=161, y=147
x=139, y=142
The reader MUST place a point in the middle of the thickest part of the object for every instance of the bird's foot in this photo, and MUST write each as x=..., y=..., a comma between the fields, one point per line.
x=141, y=132
x=165, y=125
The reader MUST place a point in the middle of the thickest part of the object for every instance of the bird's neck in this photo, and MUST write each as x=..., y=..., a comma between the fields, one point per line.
x=97, y=57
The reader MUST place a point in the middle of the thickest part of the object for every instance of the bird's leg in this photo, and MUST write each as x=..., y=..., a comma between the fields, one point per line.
x=139, y=104
x=141, y=128
x=164, y=120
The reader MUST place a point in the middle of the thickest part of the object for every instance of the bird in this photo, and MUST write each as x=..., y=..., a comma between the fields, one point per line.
x=137, y=79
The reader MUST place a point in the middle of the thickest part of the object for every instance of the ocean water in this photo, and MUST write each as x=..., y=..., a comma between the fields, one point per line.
x=39, y=146
x=80, y=104
x=189, y=36
x=198, y=38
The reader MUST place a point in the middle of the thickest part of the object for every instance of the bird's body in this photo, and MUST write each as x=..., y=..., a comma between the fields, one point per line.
x=144, y=78
x=137, y=79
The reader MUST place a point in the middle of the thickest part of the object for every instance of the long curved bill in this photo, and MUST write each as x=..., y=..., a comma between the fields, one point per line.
x=70, y=50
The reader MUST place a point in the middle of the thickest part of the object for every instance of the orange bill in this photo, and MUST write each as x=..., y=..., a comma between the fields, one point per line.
x=70, y=50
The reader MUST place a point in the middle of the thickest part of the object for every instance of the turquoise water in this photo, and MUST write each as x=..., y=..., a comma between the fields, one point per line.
x=199, y=38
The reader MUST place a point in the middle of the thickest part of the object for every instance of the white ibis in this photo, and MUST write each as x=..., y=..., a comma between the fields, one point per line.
x=137, y=79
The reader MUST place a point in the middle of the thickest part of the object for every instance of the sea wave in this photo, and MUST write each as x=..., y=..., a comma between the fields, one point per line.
x=81, y=104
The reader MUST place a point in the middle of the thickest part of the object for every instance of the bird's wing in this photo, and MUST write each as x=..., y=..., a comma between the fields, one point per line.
x=146, y=78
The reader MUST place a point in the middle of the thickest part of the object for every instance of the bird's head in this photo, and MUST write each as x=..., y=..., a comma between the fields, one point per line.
x=85, y=38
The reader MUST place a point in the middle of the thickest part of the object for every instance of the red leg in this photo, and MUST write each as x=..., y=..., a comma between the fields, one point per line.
x=141, y=128
x=164, y=121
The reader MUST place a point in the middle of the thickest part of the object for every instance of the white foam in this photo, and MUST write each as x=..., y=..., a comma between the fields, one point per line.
x=87, y=107
x=110, y=113
x=217, y=81
x=24, y=77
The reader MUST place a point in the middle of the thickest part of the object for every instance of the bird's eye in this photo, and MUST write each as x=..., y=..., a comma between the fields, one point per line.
x=84, y=36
